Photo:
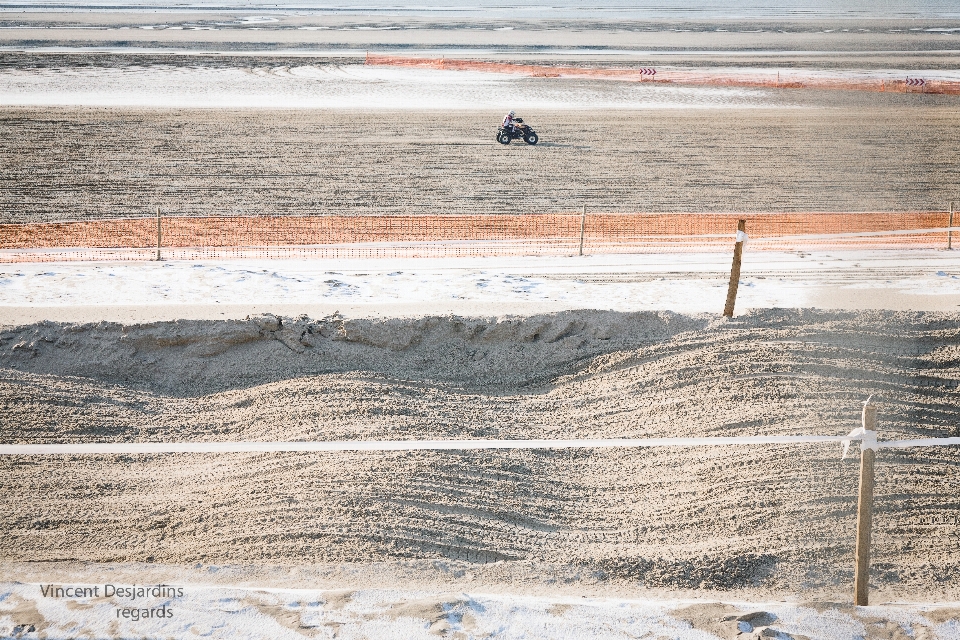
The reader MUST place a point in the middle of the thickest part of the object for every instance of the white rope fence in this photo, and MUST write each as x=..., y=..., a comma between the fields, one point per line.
x=867, y=439
x=866, y=435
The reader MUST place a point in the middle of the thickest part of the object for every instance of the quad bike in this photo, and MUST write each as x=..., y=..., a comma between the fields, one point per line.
x=520, y=132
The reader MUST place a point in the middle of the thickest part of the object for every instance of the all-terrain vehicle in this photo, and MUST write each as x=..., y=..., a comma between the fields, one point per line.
x=520, y=132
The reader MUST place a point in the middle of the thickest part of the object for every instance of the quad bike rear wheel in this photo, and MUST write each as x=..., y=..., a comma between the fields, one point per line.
x=532, y=138
x=503, y=138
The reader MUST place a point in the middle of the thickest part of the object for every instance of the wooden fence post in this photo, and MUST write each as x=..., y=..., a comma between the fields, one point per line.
x=950, y=224
x=735, y=270
x=583, y=220
x=861, y=578
x=158, y=234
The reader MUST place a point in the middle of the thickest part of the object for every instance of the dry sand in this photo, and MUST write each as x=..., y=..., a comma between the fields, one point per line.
x=899, y=280
x=836, y=152
x=768, y=520
x=774, y=519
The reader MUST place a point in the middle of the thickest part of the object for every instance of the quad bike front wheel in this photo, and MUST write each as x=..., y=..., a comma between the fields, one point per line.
x=503, y=138
x=532, y=138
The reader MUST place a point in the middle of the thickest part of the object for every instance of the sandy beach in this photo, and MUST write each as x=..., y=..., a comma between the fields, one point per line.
x=426, y=543
x=120, y=162
x=638, y=515
x=218, y=110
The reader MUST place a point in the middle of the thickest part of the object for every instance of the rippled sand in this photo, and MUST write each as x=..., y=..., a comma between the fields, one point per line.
x=769, y=517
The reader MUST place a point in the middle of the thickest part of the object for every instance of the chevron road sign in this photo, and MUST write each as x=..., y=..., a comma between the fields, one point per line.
x=648, y=72
x=916, y=82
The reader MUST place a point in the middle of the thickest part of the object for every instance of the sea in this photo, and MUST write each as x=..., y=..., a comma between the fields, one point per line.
x=554, y=10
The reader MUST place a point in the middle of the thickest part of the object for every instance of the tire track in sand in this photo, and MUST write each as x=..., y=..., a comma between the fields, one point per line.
x=724, y=517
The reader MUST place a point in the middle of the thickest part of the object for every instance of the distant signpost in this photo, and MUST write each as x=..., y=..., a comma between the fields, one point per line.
x=916, y=82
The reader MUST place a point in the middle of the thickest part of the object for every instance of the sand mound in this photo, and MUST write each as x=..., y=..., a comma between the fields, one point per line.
x=199, y=357
x=690, y=518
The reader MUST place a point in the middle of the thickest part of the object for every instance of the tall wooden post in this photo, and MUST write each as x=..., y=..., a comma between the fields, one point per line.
x=735, y=269
x=861, y=578
x=583, y=221
x=158, y=234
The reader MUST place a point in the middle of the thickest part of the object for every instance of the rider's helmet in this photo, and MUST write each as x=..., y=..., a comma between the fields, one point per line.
x=512, y=113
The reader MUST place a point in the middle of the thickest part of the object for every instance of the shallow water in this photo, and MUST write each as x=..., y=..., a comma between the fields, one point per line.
x=560, y=9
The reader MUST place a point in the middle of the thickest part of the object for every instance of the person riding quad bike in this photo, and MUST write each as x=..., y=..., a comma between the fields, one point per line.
x=509, y=122
x=513, y=128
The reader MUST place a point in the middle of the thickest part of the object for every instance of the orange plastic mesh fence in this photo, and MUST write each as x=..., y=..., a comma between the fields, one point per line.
x=454, y=235
x=789, y=79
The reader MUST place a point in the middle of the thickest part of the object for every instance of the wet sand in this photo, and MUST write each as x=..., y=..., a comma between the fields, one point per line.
x=919, y=43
